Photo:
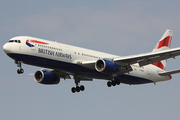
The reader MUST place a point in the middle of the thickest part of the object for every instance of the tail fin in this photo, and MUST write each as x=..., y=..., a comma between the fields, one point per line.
x=163, y=44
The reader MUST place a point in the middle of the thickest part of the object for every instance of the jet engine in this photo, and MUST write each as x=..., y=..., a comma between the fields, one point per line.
x=45, y=77
x=106, y=66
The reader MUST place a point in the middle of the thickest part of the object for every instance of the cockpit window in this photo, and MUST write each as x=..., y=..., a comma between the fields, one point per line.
x=11, y=41
x=17, y=41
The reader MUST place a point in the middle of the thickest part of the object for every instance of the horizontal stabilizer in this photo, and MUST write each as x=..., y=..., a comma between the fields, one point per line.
x=169, y=72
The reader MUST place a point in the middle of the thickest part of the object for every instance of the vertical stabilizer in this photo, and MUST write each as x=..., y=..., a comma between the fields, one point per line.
x=163, y=44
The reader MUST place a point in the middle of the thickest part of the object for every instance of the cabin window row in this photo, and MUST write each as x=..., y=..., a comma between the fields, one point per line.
x=83, y=54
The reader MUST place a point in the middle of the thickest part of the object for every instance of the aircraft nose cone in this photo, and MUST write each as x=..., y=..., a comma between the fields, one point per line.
x=7, y=48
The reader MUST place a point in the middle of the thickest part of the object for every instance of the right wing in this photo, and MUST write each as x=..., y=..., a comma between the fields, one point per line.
x=141, y=59
x=148, y=58
x=66, y=75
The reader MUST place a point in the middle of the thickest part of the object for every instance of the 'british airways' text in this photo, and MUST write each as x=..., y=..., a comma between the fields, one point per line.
x=53, y=53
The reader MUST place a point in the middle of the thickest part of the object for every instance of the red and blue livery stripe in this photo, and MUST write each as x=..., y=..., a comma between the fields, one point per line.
x=28, y=42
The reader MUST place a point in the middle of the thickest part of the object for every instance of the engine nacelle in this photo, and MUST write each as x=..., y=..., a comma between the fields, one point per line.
x=45, y=77
x=106, y=66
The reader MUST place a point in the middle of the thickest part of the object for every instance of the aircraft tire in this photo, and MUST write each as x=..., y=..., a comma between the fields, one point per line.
x=18, y=71
x=109, y=83
x=73, y=89
x=118, y=82
x=78, y=89
x=21, y=71
x=82, y=88
x=114, y=83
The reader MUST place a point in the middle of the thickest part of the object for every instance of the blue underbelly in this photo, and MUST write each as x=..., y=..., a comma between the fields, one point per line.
x=75, y=68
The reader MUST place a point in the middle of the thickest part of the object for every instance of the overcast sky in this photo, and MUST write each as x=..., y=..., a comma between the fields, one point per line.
x=113, y=26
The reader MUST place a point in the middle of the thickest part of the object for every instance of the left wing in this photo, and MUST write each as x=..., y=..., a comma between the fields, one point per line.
x=66, y=75
x=59, y=73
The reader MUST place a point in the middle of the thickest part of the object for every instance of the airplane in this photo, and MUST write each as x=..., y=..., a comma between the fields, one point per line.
x=61, y=61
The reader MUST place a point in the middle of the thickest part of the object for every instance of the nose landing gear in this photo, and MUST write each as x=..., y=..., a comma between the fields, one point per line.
x=20, y=71
x=19, y=64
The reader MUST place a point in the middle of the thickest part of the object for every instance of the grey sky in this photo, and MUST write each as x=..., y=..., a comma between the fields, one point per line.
x=117, y=27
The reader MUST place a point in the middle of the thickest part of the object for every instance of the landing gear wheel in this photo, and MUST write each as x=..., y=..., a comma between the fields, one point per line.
x=19, y=64
x=78, y=89
x=114, y=83
x=20, y=71
x=118, y=82
x=77, y=81
x=73, y=89
x=109, y=83
x=82, y=88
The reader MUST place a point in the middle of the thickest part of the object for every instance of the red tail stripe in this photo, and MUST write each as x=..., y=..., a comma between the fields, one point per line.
x=165, y=42
x=160, y=65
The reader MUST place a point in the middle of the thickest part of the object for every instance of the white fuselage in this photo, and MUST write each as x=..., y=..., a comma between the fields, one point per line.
x=53, y=55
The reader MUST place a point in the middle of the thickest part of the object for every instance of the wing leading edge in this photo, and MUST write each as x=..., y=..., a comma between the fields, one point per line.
x=148, y=58
x=142, y=59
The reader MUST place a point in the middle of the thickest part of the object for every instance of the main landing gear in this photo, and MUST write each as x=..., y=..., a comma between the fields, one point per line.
x=113, y=83
x=19, y=64
x=77, y=88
